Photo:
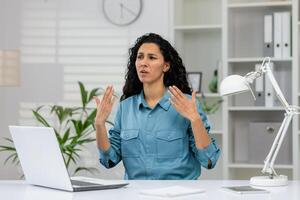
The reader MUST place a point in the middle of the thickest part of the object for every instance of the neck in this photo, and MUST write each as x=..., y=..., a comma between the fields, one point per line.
x=153, y=93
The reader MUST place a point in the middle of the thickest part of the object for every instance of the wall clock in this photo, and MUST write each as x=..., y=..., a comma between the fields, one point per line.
x=122, y=12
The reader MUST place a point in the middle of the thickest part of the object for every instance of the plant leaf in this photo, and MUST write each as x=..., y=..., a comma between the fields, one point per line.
x=88, y=140
x=66, y=136
x=93, y=93
x=40, y=118
x=7, y=148
x=83, y=94
x=89, y=169
x=9, y=157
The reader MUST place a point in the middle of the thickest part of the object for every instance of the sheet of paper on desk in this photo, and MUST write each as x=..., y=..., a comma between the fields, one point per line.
x=172, y=191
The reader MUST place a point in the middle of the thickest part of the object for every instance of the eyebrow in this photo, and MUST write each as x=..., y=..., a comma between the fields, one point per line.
x=151, y=54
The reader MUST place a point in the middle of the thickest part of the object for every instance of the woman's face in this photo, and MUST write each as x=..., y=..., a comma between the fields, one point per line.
x=150, y=64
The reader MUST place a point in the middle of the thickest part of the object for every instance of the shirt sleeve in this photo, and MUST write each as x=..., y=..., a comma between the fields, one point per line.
x=112, y=156
x=211, y=152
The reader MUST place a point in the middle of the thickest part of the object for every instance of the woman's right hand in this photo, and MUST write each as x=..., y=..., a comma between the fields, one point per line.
x=104, y=106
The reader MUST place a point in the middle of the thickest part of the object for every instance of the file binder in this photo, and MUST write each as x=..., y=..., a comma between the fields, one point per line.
x=259, y=89
x=269, y=92
x=268, y=36
x=286, y=34
x=277, y=35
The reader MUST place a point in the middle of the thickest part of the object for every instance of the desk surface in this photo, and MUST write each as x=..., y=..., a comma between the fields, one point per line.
x=19, y=190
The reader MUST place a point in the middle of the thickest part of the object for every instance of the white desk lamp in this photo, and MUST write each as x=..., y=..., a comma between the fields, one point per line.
x=235, y=84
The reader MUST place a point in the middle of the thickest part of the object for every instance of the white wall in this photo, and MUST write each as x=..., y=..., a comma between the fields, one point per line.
x=62, y=42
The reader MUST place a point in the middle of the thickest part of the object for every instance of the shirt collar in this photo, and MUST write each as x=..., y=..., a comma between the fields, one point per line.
x=163, y=102
x=141, y=100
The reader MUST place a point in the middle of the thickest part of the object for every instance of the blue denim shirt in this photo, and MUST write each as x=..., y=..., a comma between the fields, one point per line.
x=156, y=143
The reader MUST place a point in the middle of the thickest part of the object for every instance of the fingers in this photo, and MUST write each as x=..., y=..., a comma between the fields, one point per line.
x=174, y=103
x=176, y=92
x=113, y=99
x=177, y=96
x=97, y=100
x=106, y=93
x=107, y=97
x=194, y=96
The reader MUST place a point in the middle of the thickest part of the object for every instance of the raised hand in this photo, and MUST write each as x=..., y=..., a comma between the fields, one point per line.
x=104, y=106
x=185, y=106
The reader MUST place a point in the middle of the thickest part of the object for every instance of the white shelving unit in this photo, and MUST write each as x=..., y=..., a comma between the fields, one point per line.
x=197, y=33
x=243, y=49
x=206, y=32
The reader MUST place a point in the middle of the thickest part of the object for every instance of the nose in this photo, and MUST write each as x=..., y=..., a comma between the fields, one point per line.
x=142, y=62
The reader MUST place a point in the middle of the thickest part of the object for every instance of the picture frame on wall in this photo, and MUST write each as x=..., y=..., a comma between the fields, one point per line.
x=195, y=80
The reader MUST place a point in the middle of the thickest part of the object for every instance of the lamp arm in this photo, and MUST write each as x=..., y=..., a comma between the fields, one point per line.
x=275, y=85
x=265, y=68
x=270, y=159
x=290, y=111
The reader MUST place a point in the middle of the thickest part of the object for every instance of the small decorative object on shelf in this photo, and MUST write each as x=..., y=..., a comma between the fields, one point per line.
x=213, y=84
x=195, y=79
x=210, y=108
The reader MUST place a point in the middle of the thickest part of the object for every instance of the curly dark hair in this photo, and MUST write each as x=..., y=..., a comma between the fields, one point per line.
x=176, y=75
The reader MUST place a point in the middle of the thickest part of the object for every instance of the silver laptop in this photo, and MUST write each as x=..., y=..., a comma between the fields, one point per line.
x=43, y=163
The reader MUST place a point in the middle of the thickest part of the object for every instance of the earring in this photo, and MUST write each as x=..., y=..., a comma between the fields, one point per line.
x=167, y=69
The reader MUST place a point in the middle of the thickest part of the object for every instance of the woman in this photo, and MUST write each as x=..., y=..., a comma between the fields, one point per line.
x=160, y=130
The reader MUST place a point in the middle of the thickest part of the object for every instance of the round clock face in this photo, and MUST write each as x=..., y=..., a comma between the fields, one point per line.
x=122, y=12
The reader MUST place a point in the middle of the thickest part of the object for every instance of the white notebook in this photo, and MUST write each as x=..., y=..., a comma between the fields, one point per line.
x=172, y=191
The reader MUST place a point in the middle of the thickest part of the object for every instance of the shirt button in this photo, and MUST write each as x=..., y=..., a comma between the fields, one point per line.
x=150, y=115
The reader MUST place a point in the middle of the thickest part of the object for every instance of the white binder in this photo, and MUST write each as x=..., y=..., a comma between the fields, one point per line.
x=286, y=34
x=277, y=35
x=259, y=88
x=268, y=36
x=269, y=92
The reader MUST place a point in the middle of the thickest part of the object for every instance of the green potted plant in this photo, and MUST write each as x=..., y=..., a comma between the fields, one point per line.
x=73, y=129
x=212, y=107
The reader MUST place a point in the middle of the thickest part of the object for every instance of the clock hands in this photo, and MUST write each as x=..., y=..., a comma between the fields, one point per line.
x=122, y=12
x=122, y=7
x=127, y=9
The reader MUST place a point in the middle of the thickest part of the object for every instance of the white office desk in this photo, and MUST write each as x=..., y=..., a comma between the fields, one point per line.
x=19, y=190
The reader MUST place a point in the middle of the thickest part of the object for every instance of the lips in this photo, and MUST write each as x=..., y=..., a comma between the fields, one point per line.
x=143, y=72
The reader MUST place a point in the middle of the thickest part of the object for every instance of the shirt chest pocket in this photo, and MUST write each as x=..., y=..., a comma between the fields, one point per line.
x=130, y=143
x=169, y=144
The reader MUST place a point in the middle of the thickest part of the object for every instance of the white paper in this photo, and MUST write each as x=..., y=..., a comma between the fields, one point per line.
x=172, y=191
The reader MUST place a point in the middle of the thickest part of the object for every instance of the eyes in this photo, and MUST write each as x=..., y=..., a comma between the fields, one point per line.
x=151, y=57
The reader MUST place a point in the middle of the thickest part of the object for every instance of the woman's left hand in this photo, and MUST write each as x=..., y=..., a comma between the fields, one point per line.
x=185, y=106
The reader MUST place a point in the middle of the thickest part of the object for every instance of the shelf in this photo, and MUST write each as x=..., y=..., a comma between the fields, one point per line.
x=188, y=28
x=257, y=166
x=257, y=59
x=209, y=95
x=216, y=132
x=260, y=4
x=253, y=108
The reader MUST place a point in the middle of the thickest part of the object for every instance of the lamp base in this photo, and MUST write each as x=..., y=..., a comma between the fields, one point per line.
x=266, y=181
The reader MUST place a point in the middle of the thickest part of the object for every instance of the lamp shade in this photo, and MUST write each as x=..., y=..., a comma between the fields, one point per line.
x=234, y=84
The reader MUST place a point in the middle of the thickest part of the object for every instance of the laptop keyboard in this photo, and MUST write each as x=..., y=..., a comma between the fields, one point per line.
x=83, y=183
